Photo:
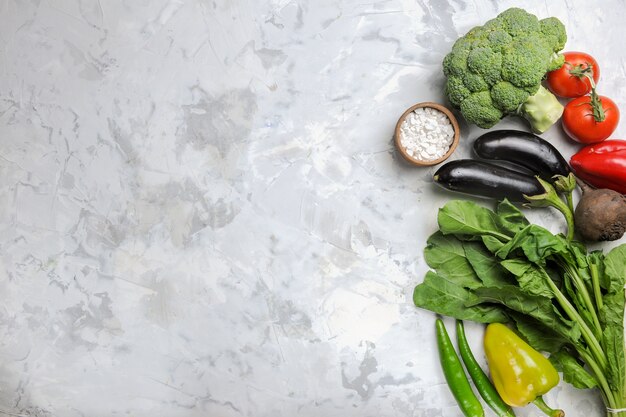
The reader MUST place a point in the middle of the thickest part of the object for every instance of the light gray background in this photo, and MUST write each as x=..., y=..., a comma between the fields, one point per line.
x=202, y=213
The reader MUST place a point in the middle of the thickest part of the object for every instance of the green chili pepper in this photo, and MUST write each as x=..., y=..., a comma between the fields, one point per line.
x=455, y=374
x=481, y=380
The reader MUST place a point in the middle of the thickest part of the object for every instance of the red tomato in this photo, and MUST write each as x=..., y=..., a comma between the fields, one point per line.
x=562, y=83
x=580, y=124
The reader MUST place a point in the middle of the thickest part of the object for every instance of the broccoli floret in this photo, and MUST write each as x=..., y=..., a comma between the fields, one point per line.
x=456, y=90
x=455, y=63
x=554, y=32
x=494, y=25
x=487, y=63
x=499, y=39
x=479, y=109
x=507, y=97
x=519, y=22
x=474, y=82
x=556, y=62
x=496, y=68
x=525, y=61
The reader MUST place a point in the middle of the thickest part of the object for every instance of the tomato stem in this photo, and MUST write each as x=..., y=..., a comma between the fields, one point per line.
x=595, y=102
x=586, y=70
x=582, y=70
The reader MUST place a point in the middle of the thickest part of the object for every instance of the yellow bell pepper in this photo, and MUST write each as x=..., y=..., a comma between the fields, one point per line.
x=520, y=374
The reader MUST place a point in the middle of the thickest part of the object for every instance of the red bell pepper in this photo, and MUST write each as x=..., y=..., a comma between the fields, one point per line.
x=602, y=165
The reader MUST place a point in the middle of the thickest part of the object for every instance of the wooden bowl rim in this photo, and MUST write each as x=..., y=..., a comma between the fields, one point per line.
x=455, y=127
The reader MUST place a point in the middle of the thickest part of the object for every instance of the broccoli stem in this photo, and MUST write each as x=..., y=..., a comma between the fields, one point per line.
x=541, y=110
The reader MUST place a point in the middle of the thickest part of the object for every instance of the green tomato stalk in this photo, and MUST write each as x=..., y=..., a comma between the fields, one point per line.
x=594, y=98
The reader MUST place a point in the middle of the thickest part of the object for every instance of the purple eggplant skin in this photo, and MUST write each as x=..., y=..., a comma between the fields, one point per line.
x=484, y=179
x=524, y=149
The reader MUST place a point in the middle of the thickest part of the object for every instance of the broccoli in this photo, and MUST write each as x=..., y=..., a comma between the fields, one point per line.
x=496, y=70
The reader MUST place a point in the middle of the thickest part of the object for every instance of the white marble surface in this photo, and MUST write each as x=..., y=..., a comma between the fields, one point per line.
x=202, y=213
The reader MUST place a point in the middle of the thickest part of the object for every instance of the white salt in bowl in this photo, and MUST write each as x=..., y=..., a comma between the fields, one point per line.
x=420, y=162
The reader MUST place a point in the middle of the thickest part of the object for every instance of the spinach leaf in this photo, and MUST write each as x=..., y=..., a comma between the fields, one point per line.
x=446, y=255
x=538, y=307
x=613, y=344
x=531, y=278
x=461, y=217
x=510, y=218
x=573, y=371
x=445, y=297
x=612, y=316
x=493, y=244
x=512, y=297
x=612, y=312
x=536, y=243
x=615, y=268
x=486, y=266
x=539, y=336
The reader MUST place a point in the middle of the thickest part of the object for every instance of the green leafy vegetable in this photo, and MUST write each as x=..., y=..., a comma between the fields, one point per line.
x=538, y=334
x=447, y=257
x=495, y=266
x=444, y=297
x=573, y=370
x=510, y=217
x=485, y=266
x=465, y=218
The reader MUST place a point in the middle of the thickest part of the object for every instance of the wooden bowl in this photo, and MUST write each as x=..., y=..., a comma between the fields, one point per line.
x=455, y=140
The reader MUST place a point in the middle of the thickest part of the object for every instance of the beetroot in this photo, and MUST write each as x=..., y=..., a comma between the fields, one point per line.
x=600, y=214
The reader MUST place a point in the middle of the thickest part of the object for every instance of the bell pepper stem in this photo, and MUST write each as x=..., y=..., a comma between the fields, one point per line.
x=541, y=404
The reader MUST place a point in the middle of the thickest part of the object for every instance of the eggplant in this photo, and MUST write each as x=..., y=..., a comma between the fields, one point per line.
x=484, y=179
x=523, y=149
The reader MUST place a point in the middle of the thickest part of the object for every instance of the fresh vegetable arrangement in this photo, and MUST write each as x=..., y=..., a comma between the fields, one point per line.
x=550, y=304
x=496, y=267
x=476, y=249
